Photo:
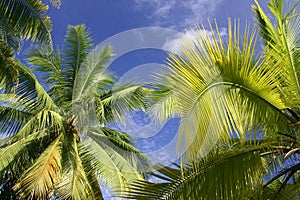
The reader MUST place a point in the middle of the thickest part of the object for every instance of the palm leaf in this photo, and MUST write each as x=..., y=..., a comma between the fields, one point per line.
x=282, y=38
x=74, y=183
x=26, y=17
x=91, y=173
x=76, y=46
x=11, y=40
x=163, y=104
x=30, y=88
x=115, y=167
x=48, y=63
x=43, y=119
x=119, y=101
x=92, y=72
x=218, y=176
x=8, y=68
x=218, y=83
x=39, y=180
x=10, y=148
x=14, y=113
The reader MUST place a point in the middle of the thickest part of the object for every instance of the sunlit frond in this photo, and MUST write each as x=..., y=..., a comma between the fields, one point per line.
x=90, y=172
x=218, y=176
x=116, y=165
x=27, y=18
x=76, y=47
x=74, y=183
x=8, y=68
x=40, y=179
x=120, y=100
x=222, y=88
x=10, y=148
x=282, y=39
x=48, y=63
x=163, y=104
x=40, y=121
x=14, y=113
x=30, y=88
x=92, y=72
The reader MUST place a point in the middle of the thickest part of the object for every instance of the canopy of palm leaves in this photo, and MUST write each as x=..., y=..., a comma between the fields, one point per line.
x=27, y=19
x=56, y=142
x=20, y=19
x=233, y=100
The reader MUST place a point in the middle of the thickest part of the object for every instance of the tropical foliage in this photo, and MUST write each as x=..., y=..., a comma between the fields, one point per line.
x=26, y=19
x=239, y=133
x=20, y=19
x=56, y=142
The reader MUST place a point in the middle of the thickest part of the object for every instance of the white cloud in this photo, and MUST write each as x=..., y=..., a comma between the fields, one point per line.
x=177, y=13
x=174, y=44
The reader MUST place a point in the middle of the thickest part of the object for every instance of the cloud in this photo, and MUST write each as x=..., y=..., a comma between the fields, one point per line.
x=176, y=13
x=161, y=8
x=174, y=44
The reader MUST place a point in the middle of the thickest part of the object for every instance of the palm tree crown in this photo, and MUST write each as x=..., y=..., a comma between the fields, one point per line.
x=239, y=109
x=57, y=142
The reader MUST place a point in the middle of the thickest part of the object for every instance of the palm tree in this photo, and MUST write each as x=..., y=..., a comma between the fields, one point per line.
x=27, y=19
x=8, y=68
x=58, y=142
x=240, y=112
x=20, y=19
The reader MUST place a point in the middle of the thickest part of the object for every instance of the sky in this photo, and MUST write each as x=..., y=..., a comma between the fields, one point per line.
x=106, y=18
x=110, y=19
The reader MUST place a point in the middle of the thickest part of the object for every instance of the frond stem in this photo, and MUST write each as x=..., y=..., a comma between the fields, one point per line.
x=245, y=89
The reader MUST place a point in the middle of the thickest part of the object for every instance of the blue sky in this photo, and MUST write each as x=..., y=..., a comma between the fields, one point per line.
x=106, y=18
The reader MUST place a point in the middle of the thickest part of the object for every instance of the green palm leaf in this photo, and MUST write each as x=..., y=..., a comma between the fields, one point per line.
x=74, y=183
x=39, y=180
x=282, y=38
x=76, y=47
x=92, y=72
x=220, y=83
x=8, y=68
x=114, y=104
x=218, y=176
x=71, y=157
x=116, y=166
x=30, y=88
x=27, y=18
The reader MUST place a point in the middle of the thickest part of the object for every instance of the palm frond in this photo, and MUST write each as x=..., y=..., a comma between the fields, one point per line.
x=282, y=39
x=43, y=119
x=272, y=191
x=218, y=176
x=48, y=63
x=76, y=47
x=92, y=72
x=223, y=89
x=10, y=39
x=119, y=101
x=8, y=68
x=116, y=167
x=163, y=104
x=39, y=180
x=14, y=113
x=74, y=183
x=26, y=17
x=9, y=149
x=30, y=88
x=91, y=172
